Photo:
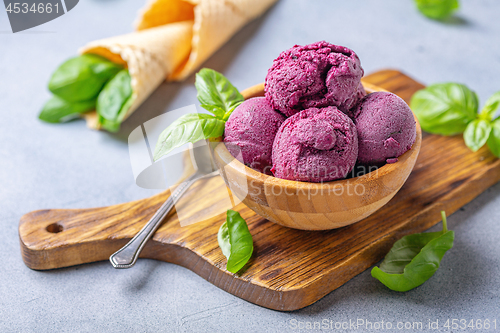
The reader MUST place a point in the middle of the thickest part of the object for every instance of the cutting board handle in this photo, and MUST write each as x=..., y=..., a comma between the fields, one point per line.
x=53, y=238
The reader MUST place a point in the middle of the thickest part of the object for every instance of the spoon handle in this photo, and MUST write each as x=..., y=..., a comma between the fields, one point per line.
x=127, y=255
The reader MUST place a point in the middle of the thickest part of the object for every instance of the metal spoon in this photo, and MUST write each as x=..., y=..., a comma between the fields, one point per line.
x=202, y=163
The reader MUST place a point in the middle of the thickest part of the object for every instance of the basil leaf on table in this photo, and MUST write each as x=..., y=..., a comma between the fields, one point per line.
x=114, y=101
x=414, y=259
x=494, y=138
x=445, y=108
x=476, y=134
x=82, y=78
x=58, y=110
x=235, y=241
x=215, y=90
x=188, y=128
x=491, y=106
x=437, y=9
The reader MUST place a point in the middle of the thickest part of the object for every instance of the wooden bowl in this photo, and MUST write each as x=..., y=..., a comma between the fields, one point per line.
x=314, y=206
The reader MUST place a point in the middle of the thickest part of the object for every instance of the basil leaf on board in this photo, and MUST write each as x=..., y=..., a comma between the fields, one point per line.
x=215, y=90
x=82, y=78
x=223, y=240
x=445, y=108
x=235, y=241
x=476, y=134
x=188, y=128
x=115, y=99
x=414, y=259
x=58, y=110
x=494, y=138
x=437, y=9
x=491, y=106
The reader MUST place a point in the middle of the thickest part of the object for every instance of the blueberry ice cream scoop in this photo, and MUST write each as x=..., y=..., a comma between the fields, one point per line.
x=386, y=128
x=315, y=75
x=315, y=145
x=249, y=133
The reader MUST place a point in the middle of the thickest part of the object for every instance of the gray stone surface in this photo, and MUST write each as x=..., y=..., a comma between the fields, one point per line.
x=68, y=166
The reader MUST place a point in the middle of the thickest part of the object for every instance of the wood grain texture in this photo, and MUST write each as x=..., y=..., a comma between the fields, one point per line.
x=315, y=206
x=289, y=269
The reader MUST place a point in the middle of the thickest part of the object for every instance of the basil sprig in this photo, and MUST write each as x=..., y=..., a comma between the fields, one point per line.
x=452, y=108
x=58, y=110
x=491, y=106
x=445, y=108
x=476, y=133
x=235, y=241
x=189, y=128
x=89, y=82
x=82, y=78
x=414, y=259
x=218, y=96
x=494, y=138
x=114, y=101
x=437, y=9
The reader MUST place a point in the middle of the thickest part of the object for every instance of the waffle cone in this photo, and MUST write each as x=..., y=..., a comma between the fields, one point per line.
x=215, y=22
x=150, y=55
x=174, y=38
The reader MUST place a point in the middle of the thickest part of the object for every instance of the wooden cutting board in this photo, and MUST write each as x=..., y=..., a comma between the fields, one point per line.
x=289, y=269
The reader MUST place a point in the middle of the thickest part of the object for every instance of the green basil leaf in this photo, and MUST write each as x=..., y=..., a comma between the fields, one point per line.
x=188, y=128
x=82, y=78
x=494, y=138
x=445, y=108
x=215, y=90
x=476, y=134
x=215, y=110
x=235, y=241
x=437, y=9
x=228, y=114
x=223, y=240
x=115, y=98
x=109, y=125
x=491, y=106
x=58, y=110
x=114, y=125
x=414, y=259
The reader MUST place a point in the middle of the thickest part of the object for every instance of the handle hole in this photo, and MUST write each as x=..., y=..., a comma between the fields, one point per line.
x=54, y=228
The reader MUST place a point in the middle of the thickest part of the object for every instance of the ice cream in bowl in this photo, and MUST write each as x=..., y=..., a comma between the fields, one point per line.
x=315, y=148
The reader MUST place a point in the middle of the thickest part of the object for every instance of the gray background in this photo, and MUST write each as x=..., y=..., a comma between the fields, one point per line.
x=68, y=166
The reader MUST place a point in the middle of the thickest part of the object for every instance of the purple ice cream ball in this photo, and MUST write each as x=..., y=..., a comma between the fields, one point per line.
x=249, y=133
x=316, y=75
x=315, y=145
x=386, y=128
x=350, y=105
